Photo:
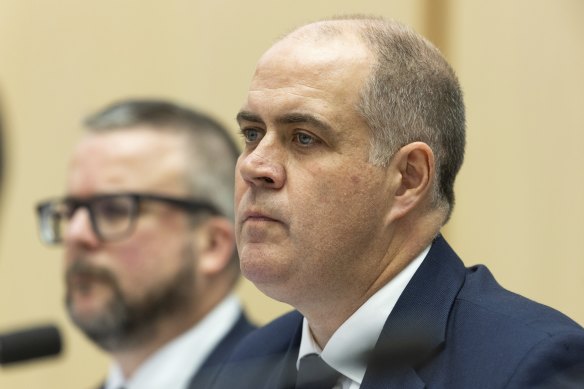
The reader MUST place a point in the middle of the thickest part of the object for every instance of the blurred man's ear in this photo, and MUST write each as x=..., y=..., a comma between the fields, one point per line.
x=216, y=245
x=415, y=166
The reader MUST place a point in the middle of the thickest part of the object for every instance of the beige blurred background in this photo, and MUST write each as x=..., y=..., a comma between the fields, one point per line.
x=520, y=194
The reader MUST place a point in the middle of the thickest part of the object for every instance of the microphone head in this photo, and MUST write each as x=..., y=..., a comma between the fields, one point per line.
x=30, y=343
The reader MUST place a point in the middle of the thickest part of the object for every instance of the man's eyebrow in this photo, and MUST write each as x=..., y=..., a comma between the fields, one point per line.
x=303, y=118
x=248, y=117
x=286, y=119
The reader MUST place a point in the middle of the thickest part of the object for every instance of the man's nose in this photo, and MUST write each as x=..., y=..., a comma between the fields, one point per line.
x=79, y=230
x=264, y=165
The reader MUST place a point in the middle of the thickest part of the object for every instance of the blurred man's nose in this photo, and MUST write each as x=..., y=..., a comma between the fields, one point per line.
x=79, y=230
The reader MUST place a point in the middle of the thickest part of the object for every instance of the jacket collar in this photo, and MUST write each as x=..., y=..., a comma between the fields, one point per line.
x=416, y=328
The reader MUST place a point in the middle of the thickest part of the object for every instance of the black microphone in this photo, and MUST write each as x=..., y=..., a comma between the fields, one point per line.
x=29, y=343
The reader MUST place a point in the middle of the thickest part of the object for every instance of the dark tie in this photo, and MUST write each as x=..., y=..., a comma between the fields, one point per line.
x=314, y=373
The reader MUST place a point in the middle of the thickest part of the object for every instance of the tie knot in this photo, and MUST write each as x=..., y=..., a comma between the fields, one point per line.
x=314, y=373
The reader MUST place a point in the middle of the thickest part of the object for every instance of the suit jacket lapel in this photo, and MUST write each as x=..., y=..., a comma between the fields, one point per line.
x=284, y=373
x=416, y=328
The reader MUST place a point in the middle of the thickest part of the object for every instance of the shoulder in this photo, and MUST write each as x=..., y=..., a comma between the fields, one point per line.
x=275, y=337
x=225, y=347
x=556, y=361
x=481, y=297
x=241, y=327
x=502, y=334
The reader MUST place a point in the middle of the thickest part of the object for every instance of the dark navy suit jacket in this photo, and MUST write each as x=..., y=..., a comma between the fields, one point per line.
x=210, y=368
x=452, y=327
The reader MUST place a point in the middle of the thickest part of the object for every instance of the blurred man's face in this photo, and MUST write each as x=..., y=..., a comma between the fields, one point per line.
x=310, y=207
x=116, y=290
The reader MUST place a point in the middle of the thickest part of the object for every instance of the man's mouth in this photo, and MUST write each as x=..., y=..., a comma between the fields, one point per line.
x=83, y=283
x=257, y=217
x=82, y=277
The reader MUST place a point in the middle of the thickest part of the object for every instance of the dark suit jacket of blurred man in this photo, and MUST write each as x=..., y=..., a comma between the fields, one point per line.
x=204, y=376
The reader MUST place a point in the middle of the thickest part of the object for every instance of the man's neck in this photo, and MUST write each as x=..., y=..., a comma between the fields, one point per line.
x=402, y=250
x=324, y=323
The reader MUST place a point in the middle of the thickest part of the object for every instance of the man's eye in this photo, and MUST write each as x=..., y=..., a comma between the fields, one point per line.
x=304, y=139
x=113, y=211
x=250, y=134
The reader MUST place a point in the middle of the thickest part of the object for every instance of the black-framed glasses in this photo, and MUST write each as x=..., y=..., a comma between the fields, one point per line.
x=113, y=216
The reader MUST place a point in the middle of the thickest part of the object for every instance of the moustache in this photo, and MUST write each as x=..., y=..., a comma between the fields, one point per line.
x=81, y=270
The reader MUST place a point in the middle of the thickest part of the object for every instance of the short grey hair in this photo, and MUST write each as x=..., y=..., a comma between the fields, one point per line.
x=412, y=94
x=212, y=153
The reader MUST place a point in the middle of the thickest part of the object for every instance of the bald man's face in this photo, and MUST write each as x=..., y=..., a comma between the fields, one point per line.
x=309, y=203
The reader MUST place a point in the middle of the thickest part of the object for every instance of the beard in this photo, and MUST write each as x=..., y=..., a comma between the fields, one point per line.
x=124, y=322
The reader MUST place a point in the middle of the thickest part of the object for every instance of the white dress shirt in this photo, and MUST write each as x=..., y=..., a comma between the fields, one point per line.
x=175, y=363
x=358, y=334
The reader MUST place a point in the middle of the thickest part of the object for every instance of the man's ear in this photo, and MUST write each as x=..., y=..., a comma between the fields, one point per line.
x=216, y=243
x=414, y=164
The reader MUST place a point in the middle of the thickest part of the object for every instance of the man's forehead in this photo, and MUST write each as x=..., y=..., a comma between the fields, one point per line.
x=304, y=49
x=128, y=141
x=129, y=149
x=312, y=65
x=132, y=156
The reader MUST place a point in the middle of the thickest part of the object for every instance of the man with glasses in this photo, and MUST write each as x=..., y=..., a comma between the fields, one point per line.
x=150, y=256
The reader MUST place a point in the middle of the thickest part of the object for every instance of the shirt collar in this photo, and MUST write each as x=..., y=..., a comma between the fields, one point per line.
x=347, y=349
x=175, y=363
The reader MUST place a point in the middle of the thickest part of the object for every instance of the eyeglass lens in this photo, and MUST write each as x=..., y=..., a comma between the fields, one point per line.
x=111, y=217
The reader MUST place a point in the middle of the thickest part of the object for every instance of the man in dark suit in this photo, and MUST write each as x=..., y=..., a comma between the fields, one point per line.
x=149, y=242
x=355, y=132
